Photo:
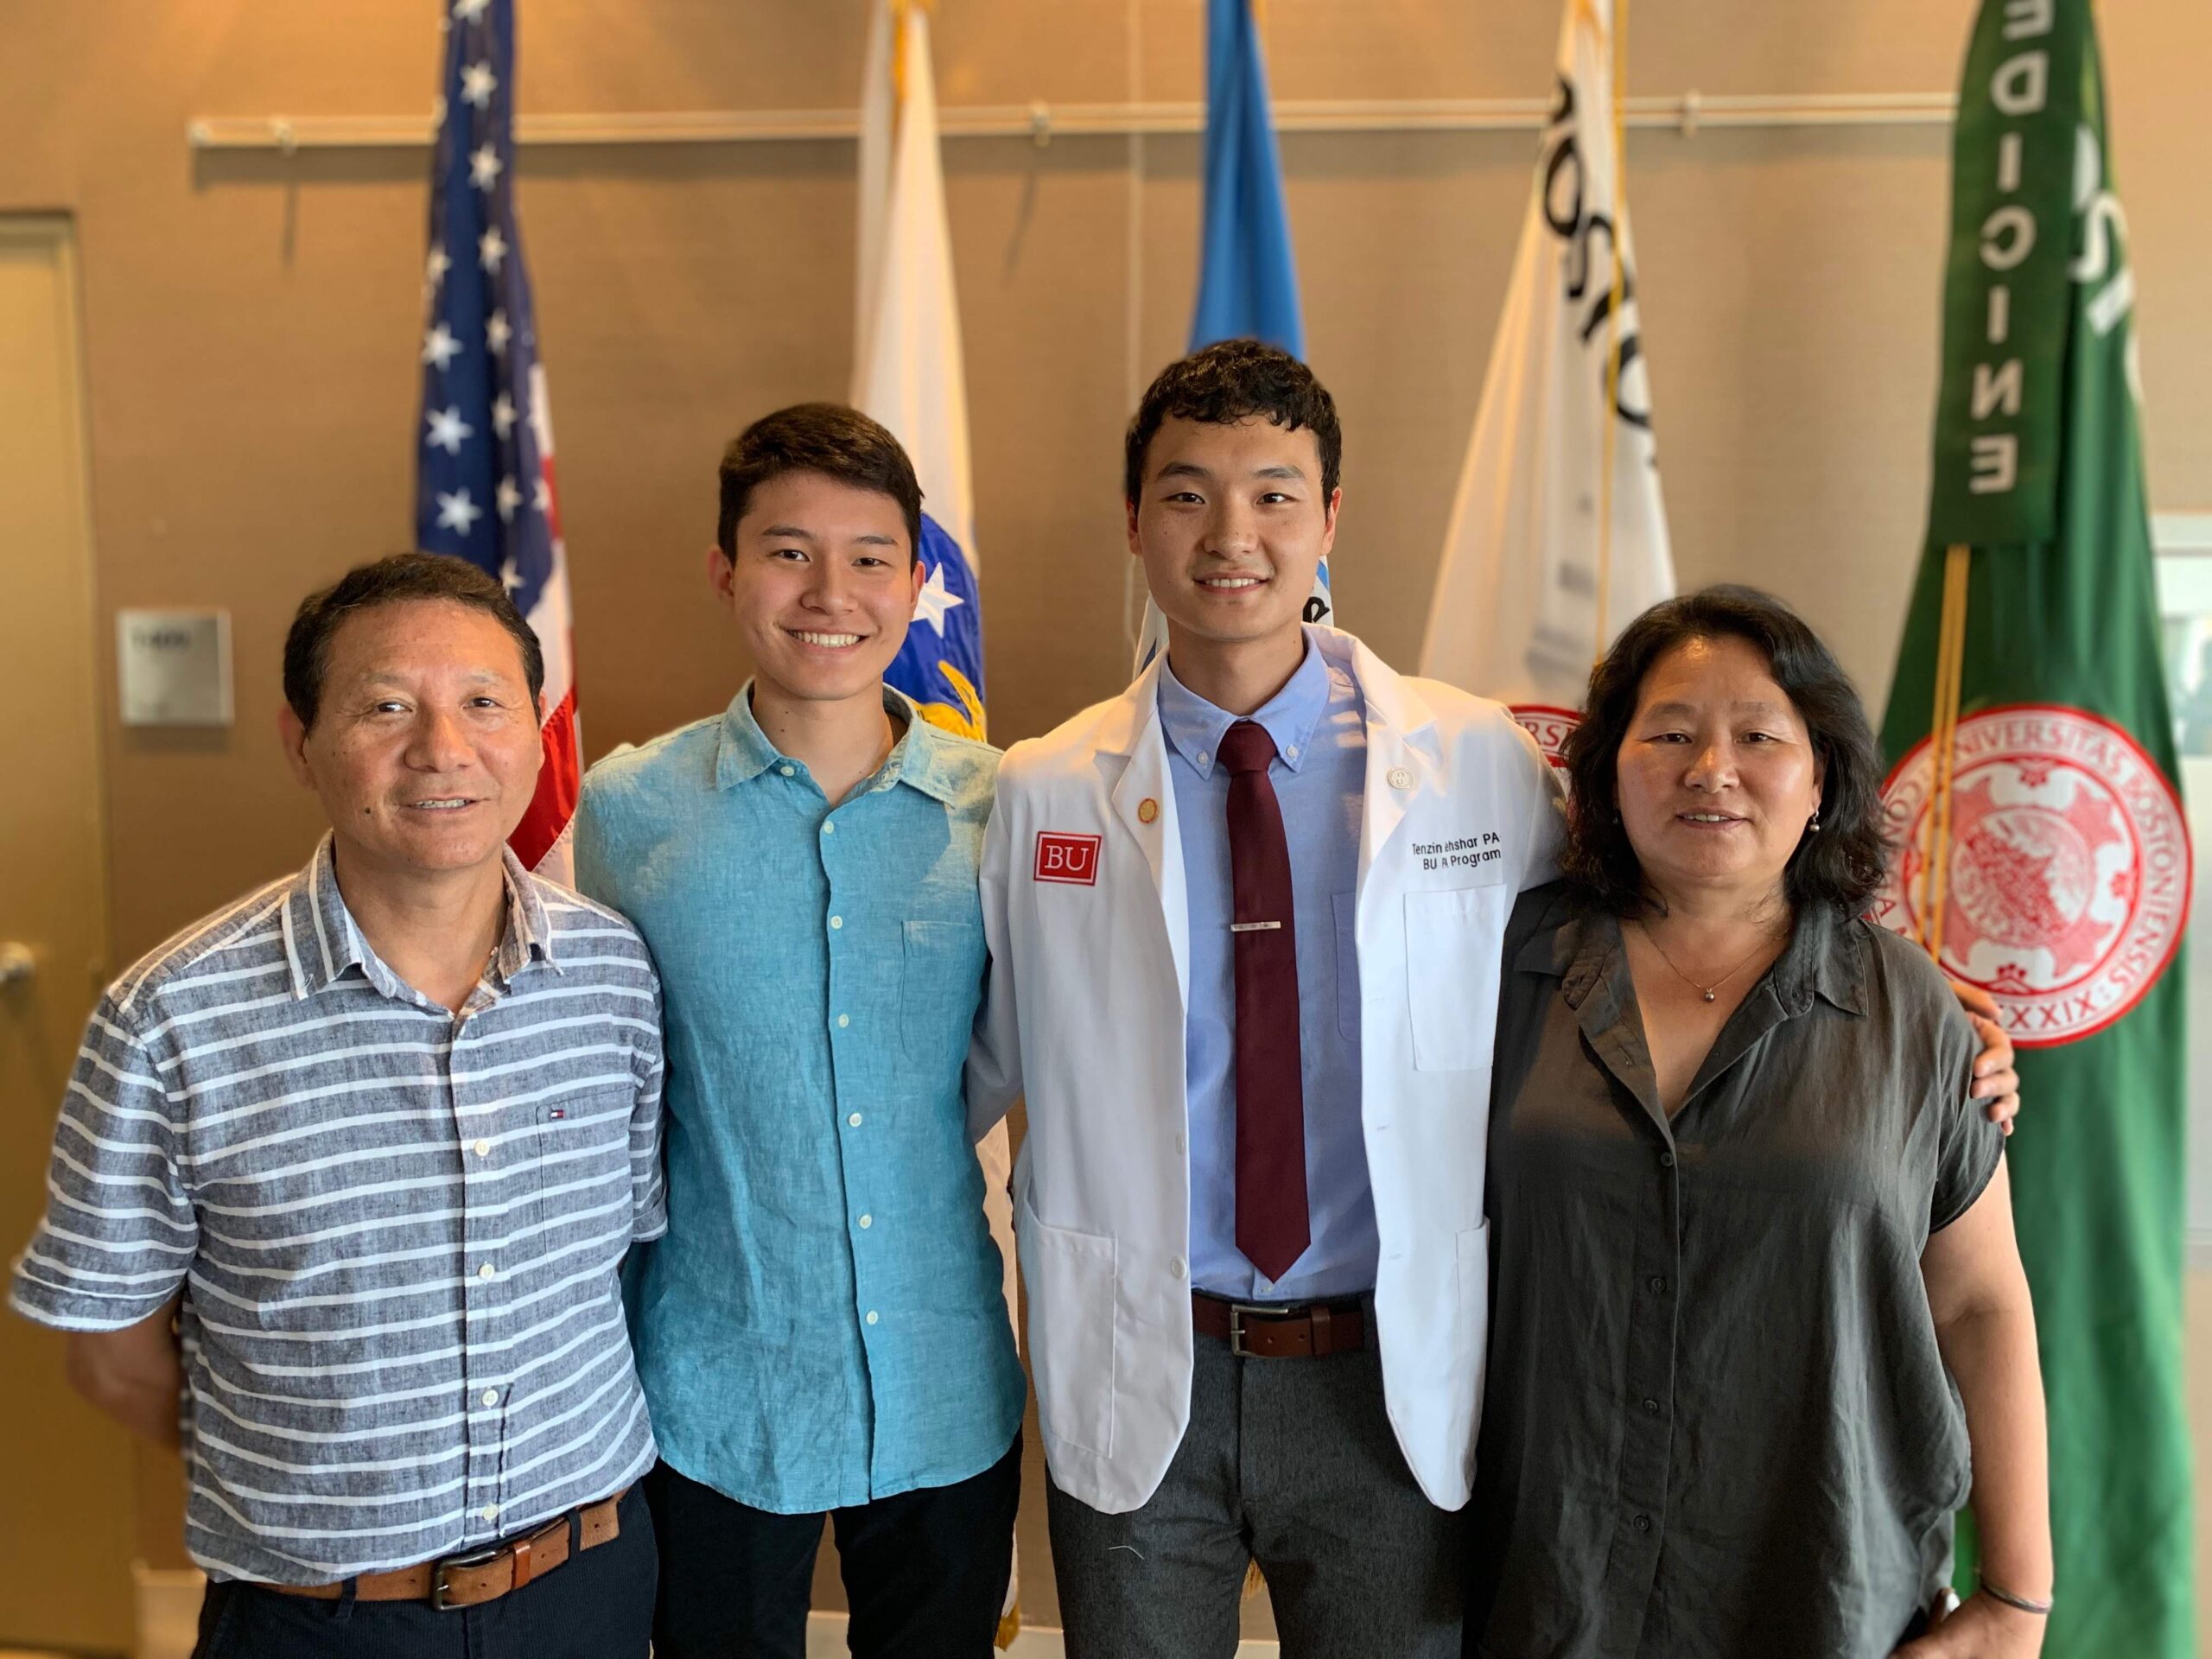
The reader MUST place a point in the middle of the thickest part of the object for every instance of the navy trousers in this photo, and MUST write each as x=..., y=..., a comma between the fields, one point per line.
x=597, y=1605
x=925, y=1572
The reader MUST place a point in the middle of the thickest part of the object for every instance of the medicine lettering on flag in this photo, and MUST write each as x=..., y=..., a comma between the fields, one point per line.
x=2039, y=848
x=906, y=361
x=484, y=489
x=1528, y=559
x=1248, y=277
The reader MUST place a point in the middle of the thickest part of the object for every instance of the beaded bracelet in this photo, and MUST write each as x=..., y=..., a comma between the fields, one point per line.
x=2026, y=1605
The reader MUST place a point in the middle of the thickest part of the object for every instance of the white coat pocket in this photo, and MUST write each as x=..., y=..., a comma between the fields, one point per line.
x=1073, y=1296
x=1473, y=1252
x=1452, y=940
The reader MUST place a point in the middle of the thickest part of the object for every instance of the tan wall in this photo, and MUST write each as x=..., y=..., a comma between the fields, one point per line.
x=250, y=320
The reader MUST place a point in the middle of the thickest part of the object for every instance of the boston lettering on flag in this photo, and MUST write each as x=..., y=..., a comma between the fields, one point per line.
x=484, y=443
x=1559, y=516
x=2041, y=851
x=1248, y=277
x=906, y=361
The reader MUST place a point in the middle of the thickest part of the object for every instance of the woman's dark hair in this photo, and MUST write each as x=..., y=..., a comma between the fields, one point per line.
x=1229, y=381
x=1842, y=865
x=393, y=580
x=838, y=443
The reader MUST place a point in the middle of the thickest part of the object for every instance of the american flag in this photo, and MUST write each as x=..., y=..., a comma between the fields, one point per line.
x=485, y=444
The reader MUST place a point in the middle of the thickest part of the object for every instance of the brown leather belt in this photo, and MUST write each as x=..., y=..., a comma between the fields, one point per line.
x=486, y=1574
x=1313, y=1331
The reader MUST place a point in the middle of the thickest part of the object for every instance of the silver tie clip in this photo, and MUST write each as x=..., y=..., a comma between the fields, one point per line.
x=1253, y=927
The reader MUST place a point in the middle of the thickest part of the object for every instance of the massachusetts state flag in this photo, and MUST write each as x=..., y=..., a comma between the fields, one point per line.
x=484, y=445
x=1248, y=277
x=906, y=362
x=1549, y=554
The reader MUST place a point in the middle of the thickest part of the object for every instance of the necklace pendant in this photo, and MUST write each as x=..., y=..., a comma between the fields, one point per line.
x=1708, y=995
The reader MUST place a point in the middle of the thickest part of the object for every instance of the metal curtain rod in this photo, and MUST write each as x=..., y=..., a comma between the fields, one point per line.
x=1683, y=112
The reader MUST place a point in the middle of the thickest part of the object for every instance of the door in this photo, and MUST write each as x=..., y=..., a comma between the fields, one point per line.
x=66, y=1531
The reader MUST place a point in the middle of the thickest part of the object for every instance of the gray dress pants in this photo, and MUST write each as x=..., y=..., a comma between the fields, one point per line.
x=1291, y=1463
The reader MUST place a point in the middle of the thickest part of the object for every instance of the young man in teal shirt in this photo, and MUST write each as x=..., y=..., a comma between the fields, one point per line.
x=823, y=1329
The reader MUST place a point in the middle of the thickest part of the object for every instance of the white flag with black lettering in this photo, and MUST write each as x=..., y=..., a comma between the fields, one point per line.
x=1525, y=568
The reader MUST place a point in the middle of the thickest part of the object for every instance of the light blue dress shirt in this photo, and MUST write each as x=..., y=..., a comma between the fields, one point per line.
x=1318, y=721
x=825, y=1323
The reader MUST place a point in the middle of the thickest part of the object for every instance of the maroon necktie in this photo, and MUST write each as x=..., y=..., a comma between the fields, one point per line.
x=1272, y=1230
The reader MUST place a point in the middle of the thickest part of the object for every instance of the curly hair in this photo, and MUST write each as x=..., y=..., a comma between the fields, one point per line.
x=1843, y=866
x=1229, y=381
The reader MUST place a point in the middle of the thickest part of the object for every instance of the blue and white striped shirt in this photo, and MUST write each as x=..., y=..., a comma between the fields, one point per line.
x=398, y=1231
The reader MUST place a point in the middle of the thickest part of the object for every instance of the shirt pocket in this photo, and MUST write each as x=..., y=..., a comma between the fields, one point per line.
x=940, y=981
x=577, y=1153
x=1346, y=908
x=1452, y=940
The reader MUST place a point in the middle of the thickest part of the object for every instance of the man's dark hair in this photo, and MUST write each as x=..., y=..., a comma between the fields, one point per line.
x=1232, y=381
x=397, y=580
x=826, y=438
x=1841, y=866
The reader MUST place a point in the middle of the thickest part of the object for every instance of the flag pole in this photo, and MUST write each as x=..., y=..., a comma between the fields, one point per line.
x=1950, y=661
x=1619, y=40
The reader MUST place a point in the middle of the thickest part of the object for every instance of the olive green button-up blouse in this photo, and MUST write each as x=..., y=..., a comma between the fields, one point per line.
x=1717, y=1425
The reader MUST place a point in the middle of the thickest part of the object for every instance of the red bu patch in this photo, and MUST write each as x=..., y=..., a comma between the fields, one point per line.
x=1072, y=859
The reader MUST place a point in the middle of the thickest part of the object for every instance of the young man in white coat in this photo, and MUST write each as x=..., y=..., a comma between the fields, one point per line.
x=1244, y=922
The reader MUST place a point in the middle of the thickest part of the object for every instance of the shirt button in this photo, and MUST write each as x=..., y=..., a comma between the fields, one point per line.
x=1642, y=1523
x=483, y=1148
x=491, y=1396
x=1292, y=752
x=867, y=1221
x=1651, y=1408
x=491, y=1511
x=829, y=827
x=871, y=1316
x=1665, y=1160
x=836, y=921
x=788, y=772
x=844, y=1019
x=1202, y=757
x=486, y=1271
x=1658, y=1285
x=854, y=1120
x=1178, y=1267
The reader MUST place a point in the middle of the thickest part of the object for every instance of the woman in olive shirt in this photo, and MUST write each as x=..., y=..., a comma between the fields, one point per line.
x=1747, y=1229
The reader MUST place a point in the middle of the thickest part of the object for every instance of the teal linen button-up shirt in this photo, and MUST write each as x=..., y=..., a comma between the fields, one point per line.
x=825, y=1323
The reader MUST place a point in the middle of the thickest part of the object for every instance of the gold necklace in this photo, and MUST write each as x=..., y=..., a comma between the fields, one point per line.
x=1709, y=992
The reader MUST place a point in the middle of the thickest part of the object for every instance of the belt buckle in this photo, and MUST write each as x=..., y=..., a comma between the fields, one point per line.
x=1237, y=1312
x=438, y=1571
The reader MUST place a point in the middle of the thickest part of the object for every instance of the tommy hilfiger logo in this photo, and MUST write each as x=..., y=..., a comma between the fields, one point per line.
x=1072, y=859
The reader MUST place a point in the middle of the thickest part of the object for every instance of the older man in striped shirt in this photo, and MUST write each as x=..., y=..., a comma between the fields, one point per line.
x=346, y=1174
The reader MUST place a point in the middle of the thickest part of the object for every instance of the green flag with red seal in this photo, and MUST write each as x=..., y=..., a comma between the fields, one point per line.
x=2041, y=850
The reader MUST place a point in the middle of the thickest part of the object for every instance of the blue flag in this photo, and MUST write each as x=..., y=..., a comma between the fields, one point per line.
x=1247, y=281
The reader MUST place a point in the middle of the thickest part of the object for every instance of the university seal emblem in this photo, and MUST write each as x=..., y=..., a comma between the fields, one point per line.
x=2067, y=884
